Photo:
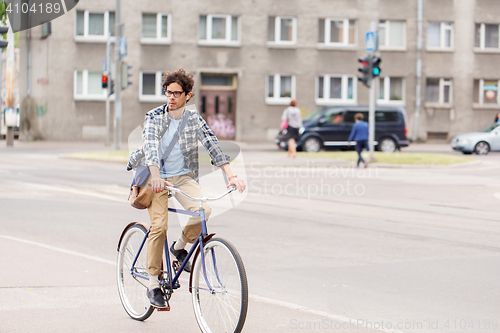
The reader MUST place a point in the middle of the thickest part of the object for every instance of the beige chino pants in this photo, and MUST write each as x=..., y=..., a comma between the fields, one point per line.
x=158, y=213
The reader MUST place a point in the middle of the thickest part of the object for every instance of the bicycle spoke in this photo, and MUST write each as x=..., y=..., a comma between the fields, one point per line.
x=133, y=288
x=223, y=309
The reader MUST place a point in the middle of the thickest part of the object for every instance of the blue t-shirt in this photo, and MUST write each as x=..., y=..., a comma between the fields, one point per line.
x=174, y=165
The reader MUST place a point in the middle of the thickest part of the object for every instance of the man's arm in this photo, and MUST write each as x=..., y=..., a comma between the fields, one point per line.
x=353, y=133
x=157, y=183
x=210, y=142
x=151, y=141
x=233, y=179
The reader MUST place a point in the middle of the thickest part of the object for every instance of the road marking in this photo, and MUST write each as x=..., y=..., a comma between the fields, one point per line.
x=301, y=308
x=497, y=195
x=73, y=191
x=58, y=249
x=271, y=301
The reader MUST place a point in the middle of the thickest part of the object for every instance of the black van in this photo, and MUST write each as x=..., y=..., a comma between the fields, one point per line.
x=330, y=126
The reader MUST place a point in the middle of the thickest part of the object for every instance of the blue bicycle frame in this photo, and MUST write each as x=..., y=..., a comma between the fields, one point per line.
x=199, y=241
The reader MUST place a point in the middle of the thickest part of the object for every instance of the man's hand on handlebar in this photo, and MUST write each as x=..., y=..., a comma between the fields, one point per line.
x=158, y=184
x=239, y=183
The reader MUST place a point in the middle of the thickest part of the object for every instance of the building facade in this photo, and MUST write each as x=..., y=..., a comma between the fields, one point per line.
x=251, y=57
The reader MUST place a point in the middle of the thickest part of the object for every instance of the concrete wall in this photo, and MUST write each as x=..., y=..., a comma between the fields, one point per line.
x=58, y=56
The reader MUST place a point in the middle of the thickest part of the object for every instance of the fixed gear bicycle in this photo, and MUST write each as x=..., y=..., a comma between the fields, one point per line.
x=217, y=282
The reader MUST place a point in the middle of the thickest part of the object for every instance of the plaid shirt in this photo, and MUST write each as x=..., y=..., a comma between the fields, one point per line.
x=196, y=129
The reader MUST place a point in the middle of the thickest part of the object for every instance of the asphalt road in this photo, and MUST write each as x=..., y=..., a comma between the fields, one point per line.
x=326, y=247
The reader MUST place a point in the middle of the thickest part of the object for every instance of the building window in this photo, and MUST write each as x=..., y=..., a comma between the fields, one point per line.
x=156, y=28
x=94, y=26
x=391, y=90
x=486, y=36
x=150, y=89
x=46, y=30
x=336, y=89
x=280, y=89
x=218, y=80
x=486, y=92
x=392, y=34
x=438, y=91
x=439, y=35
x=282, y=30
x=219, y=30
x=88, y=85
x=337, y=32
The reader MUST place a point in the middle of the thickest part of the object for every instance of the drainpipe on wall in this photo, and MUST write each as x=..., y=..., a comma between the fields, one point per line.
x=419, y=72
x=28, y=89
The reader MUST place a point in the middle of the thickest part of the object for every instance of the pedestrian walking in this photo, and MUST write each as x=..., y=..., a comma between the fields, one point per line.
x=359, y=133
x=293, y=117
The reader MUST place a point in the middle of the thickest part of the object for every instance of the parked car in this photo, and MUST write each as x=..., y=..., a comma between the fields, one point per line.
x=330, y=126
x=480, y=143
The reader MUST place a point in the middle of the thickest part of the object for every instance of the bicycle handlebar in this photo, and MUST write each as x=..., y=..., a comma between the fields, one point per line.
x=202, y=199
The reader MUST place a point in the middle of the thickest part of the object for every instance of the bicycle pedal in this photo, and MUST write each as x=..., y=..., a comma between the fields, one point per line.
x=176, y=266
x=163, y=309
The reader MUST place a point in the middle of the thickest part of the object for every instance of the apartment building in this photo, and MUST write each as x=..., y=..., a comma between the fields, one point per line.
x=251, y=57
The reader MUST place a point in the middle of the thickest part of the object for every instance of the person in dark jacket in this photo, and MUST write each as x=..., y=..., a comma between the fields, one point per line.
x=359, y=134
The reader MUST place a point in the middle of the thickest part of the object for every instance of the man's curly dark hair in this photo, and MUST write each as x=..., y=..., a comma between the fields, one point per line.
x=180, y=76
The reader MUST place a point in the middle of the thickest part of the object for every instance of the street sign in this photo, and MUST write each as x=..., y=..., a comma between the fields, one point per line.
x=11, y=117
x=370, y=41
x=123, y=47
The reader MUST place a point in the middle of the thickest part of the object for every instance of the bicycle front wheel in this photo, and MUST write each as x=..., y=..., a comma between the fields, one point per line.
x=132, y=289
x=220, y=306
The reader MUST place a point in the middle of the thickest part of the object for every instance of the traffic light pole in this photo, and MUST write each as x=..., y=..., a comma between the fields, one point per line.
x=108, y=112
x=371, y=121
x=371, y=105
x=118, y=83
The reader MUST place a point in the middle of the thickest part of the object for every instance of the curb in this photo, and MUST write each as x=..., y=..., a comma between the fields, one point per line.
x=423, y=166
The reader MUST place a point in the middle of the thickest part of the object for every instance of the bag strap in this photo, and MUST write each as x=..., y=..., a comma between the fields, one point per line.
x=142, y=172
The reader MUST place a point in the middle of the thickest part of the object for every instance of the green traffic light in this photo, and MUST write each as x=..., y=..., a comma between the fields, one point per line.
x=376, y=71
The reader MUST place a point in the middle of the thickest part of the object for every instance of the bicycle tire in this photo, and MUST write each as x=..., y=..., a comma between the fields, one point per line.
x=225, y=310
x=133, y=290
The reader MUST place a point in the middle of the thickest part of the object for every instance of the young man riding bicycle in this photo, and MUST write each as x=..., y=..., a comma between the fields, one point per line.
x=180, y=170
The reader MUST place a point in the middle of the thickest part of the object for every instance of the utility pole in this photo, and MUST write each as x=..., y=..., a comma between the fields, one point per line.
x=419, y=72
x=118, y=82
x=11, y=114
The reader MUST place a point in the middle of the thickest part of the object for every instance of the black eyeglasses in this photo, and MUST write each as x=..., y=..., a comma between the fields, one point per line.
x=176, y=94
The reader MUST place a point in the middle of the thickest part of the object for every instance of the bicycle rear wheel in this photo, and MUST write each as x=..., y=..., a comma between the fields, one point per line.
x=133, y=289
x=224, y=309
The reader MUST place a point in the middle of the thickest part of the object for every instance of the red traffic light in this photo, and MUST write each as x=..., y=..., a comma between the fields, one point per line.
x=363, y=61
x=104, y=81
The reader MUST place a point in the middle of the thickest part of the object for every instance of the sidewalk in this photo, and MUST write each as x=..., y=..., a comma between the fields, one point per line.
x=246, y=146
x=265, y=153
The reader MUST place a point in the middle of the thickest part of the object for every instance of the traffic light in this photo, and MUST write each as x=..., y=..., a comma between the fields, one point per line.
x=126, y=75
x=366, y=70
x=3, y=43
x=376, y=66
x=104, y=80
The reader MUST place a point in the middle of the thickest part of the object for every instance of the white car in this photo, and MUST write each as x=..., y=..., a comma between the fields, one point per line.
x=480, y=143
